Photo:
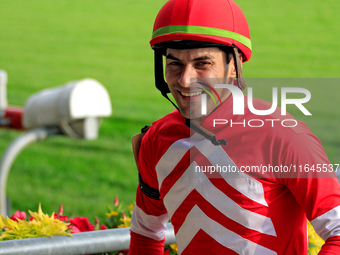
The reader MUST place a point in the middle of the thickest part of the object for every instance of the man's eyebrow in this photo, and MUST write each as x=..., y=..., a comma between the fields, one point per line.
x=205, y=57
x=170, y=56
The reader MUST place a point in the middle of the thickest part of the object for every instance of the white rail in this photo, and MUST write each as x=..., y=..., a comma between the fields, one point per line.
x=81, y=243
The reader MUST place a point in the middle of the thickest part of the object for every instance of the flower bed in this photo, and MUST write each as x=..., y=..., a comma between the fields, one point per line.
x=19, y=226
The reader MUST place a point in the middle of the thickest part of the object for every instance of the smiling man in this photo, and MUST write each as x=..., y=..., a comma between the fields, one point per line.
x=198, y=174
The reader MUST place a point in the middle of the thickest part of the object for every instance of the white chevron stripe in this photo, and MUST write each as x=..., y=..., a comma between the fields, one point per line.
x=197, y=220
x=327, y=224
x=240, y=181
x=173, y=155
x=191, y=180
x=141, y=222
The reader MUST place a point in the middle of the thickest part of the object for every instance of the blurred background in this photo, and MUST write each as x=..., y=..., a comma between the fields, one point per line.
x=49, y=43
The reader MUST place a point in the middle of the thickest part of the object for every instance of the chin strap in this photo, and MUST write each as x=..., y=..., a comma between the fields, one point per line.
x=237, y=62
x=192, y=124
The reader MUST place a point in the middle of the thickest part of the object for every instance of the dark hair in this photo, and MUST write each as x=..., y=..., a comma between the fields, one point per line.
x=186, y=44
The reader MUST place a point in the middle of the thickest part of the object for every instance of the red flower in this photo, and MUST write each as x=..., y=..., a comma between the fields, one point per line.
x=61, y=217
x=82, y=223
x=18, y=215
x=74, y=229
x=123, y=216
x=116, y=203
x=103, y=227
x=61, y=209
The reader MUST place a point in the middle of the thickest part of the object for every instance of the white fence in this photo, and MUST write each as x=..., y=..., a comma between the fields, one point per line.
x=81, y=243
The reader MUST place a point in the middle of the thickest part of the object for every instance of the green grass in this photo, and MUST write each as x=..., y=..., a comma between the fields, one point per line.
x=48, y=43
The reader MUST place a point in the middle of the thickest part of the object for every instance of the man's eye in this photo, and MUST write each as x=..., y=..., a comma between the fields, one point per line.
x=174, y=63
x=202, y=63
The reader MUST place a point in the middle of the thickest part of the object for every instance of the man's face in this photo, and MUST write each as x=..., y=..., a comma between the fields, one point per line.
x=186, y=72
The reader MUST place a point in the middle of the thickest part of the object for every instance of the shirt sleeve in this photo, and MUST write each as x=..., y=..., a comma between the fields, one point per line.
x=149, y=217
x=331, y=247
x=141, y=245
x=315, y=189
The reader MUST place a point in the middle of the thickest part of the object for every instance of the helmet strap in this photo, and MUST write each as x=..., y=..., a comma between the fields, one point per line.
x=159, y=77
x=237, y=62
x=161, y=85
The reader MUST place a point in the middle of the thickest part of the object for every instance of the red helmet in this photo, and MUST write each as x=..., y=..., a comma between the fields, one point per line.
x=211, y=21
x=195, y=24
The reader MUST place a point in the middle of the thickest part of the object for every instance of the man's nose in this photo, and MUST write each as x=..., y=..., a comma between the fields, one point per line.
x=188, y=73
